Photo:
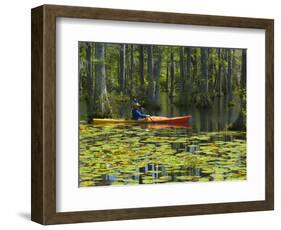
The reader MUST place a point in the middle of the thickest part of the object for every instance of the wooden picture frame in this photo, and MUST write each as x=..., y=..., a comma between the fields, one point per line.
x=43, y=207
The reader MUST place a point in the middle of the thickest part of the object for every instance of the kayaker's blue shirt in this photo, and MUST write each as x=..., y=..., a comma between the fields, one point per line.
x=137, y=114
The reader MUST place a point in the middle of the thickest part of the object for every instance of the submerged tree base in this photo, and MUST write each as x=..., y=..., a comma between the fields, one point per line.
x=239, y=124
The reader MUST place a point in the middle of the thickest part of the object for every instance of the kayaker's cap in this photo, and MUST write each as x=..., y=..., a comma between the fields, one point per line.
x=136, y=104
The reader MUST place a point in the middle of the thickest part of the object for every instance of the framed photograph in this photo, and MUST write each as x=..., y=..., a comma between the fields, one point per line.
x=139, y=114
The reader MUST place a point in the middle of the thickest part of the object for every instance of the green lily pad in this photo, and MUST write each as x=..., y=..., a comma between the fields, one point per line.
x=122, y=154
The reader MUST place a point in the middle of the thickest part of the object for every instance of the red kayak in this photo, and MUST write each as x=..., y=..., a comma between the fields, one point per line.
x=169, y=120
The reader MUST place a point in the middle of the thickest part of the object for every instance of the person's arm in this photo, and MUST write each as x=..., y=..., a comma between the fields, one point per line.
x=140, y=114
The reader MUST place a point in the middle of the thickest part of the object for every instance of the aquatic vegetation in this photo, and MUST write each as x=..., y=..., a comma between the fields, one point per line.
x=125, y=155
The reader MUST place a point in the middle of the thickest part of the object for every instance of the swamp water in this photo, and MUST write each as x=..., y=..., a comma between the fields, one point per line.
x=152, y=154
x=121, y=155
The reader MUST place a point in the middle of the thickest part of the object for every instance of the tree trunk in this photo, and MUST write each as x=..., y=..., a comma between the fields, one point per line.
x=90, y=83
x=204, y=69
x=194, y=61
x=157, y=76
x=212, y=68
x=150, y=87
x=102, y=106
x=219, y=73
x=240, y=123
x=204, y=98
x=81, y=88
x=132, y=63
x=141, y=66
x=234, y=67
x=132, y=68
x=122, y=74
x=229, y=74
x=182, y=76
x=172, y=74
x=224, y=60
x=243, y=69
x=188, y=63
x=167, y=76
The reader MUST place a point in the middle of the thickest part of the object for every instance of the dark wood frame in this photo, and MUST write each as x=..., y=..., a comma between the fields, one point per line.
x=43, y=170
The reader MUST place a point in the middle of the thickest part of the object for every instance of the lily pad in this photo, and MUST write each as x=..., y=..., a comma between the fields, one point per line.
x=129, y=154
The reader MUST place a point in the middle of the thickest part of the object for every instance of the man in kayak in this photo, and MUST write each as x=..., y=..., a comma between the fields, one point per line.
x=137, y=113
